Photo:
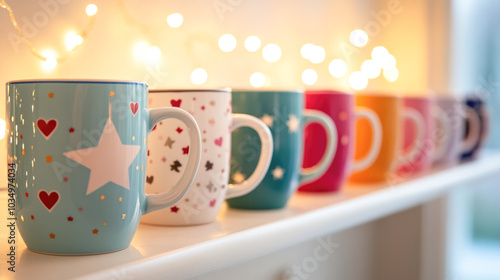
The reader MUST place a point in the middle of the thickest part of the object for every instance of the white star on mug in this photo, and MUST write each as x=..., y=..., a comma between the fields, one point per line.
x=293, y=123
x=278, y=173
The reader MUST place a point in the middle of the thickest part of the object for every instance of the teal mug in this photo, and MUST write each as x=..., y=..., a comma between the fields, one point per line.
x=283, y=112
x=78, y=152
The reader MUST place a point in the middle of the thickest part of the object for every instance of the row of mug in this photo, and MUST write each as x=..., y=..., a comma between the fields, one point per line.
x=78, y=152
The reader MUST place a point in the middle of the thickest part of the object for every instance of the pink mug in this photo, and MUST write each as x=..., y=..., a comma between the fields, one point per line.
x=339, y=106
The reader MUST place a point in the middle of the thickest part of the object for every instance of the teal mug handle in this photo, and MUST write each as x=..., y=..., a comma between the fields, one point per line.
x=312, y=173
x=172, y=196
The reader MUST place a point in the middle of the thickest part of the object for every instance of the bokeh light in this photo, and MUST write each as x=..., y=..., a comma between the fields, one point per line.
x=50, y=61
x=227, y=43
x=175, y=20
x=379, y=55
x=317, y=55
x=370, y=69
x=257, y=79
x=358, y=80
x=337, y=68
x=199, y=76
x=358, y=38
x=391, y=74
x=252, y=43
x=309, y=77
x=271, y=52
x=72, y=40
x=91, y=9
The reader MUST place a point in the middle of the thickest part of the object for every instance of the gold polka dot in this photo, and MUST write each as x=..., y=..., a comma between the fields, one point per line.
x=104, y=223
x=22, y=218
x=102, y=197
x=120, y=199
x=343, y=116
x=133, y=138
x=344, y=140
x=137, y=167
x=123, y=216
x=144, y=141
x=111, y=93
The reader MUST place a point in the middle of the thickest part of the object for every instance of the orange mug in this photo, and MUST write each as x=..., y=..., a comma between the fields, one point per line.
x=390, y=112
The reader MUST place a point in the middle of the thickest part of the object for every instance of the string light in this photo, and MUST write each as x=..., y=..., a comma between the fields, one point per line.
x=309, y=77
x=317, y=55
x=146, y=53
x=73, y=40
x=199, y=76
x=389, y=62
x=358, y=80
x=391, y=74
x=175, y=20
x=370, y=69
x=50, y=62
x=227, y=43
x=271, y=53
x=379, y=55
x=307, y=50
x=257, y=79
x=252, y=43
x=358, y=38
x=337, y=68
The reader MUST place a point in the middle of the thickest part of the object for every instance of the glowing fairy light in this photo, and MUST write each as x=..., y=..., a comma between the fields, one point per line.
x=252, y=43
x=199, y=76
x=73, y=40
x=227, y=43
x=257, y=79
x=271, y=53
x=50, y=61
x=391, y=74
x=309, y=77
x=175, y=20
x=380, y=55
x=358, y=38
x=358, y=80
x=337, y=68
x=317, y=55
x=370, y=69
x=91, y=9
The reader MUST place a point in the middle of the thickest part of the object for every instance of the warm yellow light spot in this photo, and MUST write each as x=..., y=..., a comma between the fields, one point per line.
x=271, y=53
x=91, y=9
x=309, y=77
x=358, y=80
x=133, y=138
x=72, y=40
x=252, y=43
x=380, y=54
x=111, y=93
x=120, y=199
x=22, y=218
x=50, y=61
x=391, y=74
x=257, y=79
x=175, y=20
x=337, y=68
x=103, y=197
x=227, y=43
x=137, y=167
x=370, y=69
x=199, y=76
x=152, y=55
x=123, y=216
x=358, y=38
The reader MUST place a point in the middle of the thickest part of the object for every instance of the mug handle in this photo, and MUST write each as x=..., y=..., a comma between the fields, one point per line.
x=372, y=117
x=444, y=122
x=266, y=154
x=170, y=197
x=414, y=115
x=474, y=130
x=312, y=173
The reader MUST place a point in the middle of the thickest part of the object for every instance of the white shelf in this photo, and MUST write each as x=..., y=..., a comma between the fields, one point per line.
x=239, y=236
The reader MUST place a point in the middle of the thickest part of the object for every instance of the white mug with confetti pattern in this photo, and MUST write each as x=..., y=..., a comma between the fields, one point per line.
x=212, y=111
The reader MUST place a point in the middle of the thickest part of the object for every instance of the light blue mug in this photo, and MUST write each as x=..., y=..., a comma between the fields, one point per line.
x=78, y=152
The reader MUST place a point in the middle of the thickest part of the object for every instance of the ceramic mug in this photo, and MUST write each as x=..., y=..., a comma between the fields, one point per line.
x=476, y=127
x=418, y=136
x=283, y=112
x=449, y=130
x=212, y=111
x=79, y=149
x=389, y=110
x=339, y=106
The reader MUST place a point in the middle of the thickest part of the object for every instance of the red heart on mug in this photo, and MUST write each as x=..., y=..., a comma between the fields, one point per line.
x=218, y=141
x=176, y=103
x=48, y=200
x=46, y=127
x=134, y=107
